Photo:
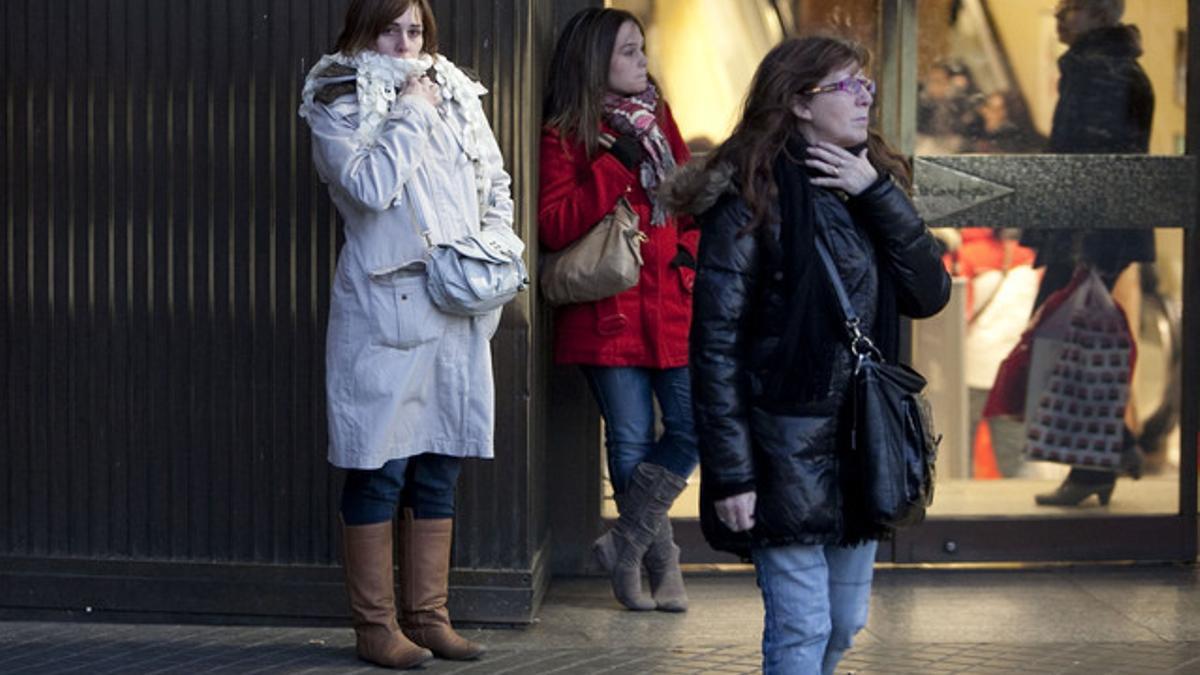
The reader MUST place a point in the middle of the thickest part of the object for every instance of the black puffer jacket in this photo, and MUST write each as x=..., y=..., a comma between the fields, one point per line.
x=1105, y=101
x=1105, y=106
x=792, y=461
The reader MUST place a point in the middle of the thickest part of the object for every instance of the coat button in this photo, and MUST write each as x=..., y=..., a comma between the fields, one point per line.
x=779, y=276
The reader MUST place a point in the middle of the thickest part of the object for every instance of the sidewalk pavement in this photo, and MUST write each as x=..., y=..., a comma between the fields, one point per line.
x=1136, y=620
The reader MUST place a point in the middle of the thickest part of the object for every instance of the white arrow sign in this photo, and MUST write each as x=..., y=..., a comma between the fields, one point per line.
x=940, y=192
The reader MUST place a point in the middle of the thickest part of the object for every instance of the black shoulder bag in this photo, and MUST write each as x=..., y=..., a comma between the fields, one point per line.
x=893, y=443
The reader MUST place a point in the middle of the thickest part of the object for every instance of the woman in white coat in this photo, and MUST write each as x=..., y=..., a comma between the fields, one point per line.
x=400, y=137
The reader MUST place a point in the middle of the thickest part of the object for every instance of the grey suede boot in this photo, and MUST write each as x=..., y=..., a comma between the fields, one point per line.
x=662, y=563
x=642, y=509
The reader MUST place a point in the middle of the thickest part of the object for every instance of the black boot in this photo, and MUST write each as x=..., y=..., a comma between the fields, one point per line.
x=1078, y=486
x=1132, y=457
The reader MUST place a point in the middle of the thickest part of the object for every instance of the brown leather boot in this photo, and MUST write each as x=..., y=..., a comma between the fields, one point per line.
x=425, y=586
x=370, y=583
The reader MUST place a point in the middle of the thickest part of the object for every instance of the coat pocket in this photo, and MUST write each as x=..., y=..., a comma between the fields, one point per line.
x=609, y=319
x=798, y=482
x=402, y=315
x=795, y=442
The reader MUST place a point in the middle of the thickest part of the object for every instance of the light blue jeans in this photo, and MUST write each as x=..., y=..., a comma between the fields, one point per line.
x=816, y=600
x=626, y=399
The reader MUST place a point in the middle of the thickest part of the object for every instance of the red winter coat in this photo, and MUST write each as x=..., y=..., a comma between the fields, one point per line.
x=647, y=325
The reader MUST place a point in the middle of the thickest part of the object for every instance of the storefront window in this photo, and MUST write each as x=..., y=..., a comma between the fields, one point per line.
x=989, y=83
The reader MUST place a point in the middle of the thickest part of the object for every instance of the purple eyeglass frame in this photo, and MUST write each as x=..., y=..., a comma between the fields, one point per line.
x=851, y=85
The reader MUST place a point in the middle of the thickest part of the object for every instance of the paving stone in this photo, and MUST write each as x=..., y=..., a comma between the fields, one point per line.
x=720, y=634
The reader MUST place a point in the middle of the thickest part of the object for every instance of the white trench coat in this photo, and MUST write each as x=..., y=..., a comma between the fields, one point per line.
x=402, y=377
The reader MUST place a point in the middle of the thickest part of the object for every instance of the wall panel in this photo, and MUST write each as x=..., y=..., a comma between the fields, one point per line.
x=167, y=256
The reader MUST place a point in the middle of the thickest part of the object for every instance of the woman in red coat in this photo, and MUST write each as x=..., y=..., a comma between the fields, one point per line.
x=609, y=135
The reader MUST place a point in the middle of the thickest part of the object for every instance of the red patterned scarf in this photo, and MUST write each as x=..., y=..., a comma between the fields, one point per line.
x=637, y=116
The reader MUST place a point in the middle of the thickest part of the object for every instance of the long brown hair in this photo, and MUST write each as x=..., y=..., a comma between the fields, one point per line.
x=578, y=74
x=793, y=66
x=367, y=19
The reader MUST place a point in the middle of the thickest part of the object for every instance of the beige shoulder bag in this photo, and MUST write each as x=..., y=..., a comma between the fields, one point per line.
x=601, y=264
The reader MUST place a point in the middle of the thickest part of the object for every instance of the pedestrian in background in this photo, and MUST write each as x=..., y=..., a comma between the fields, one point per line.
x=610, y=135
x=1105, y=105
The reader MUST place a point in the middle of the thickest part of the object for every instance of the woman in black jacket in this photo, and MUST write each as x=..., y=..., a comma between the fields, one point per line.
x=769, y=352
x=1105, y=105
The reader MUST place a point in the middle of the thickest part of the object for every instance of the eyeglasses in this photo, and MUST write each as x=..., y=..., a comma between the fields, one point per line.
x=851, y=85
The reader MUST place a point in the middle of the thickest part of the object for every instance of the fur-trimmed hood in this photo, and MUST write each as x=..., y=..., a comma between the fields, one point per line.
x=696, y=187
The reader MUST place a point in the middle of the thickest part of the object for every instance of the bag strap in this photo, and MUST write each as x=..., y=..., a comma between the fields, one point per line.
x=423, y=231
x=860, y=344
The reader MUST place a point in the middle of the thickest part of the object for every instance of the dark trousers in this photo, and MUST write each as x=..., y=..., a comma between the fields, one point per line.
x=424, y=483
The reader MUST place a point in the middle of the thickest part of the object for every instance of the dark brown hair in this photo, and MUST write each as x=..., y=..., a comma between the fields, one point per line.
x=767, y=122
x=578, y=74
x=367, y=19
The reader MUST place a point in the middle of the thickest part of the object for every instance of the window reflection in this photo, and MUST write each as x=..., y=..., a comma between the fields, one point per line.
x=954, y=115
x=988, y=83
x=997, y=78
x=971, y=50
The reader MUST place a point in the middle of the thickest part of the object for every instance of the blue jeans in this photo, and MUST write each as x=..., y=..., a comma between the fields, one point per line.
x=816, y=600
x=626, y=400
x=424, y=483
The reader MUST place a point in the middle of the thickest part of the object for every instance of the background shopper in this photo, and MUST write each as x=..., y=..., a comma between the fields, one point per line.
x=1105, y=105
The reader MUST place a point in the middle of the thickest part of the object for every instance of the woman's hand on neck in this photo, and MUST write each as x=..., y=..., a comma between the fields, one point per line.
x=843, y=170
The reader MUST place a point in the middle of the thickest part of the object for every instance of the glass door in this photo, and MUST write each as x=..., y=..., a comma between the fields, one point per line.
x=1046, y=137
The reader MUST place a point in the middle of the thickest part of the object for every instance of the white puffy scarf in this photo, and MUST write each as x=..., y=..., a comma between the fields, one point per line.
x=379, y=77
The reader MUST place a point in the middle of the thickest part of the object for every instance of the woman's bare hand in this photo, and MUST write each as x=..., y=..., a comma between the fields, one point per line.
x=737, y=512
x=846, y=171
